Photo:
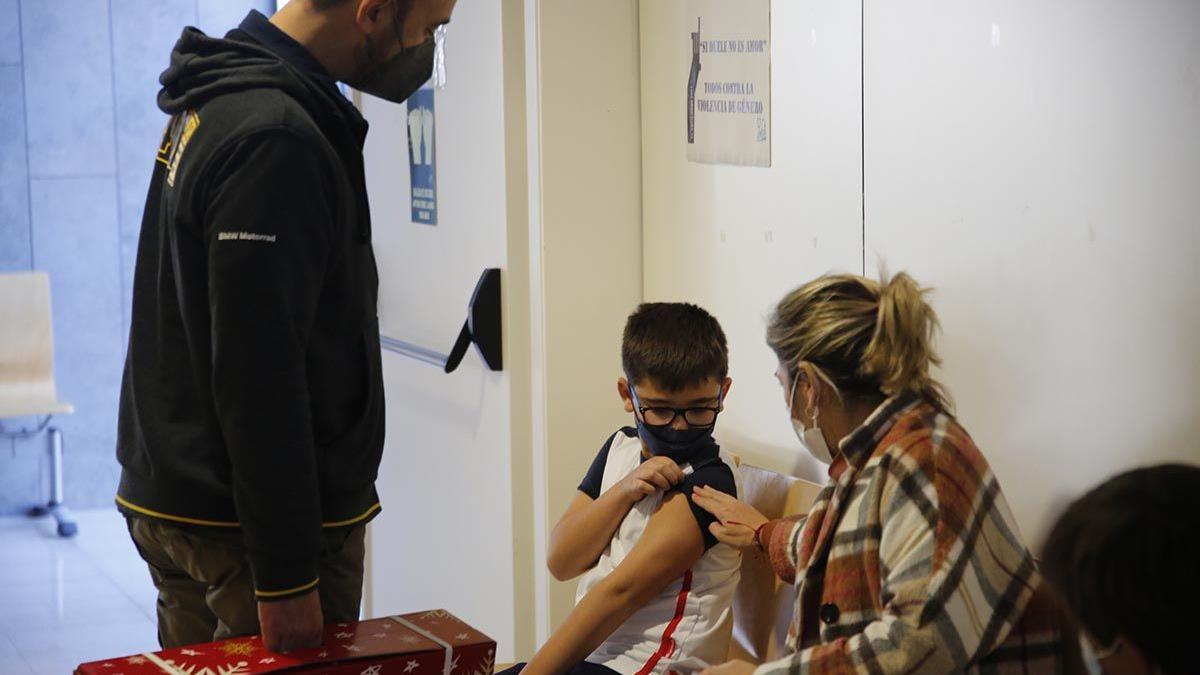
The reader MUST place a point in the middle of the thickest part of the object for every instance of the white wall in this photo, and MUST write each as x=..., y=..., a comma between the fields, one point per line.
x=518, y=282
x=445, y=538
x=735, y=239
x=1037, y=163
x=585, y=245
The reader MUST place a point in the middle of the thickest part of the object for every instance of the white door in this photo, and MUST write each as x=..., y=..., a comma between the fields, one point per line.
x=444, y=538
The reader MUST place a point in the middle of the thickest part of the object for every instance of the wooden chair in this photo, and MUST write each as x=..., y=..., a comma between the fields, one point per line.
x=27, y=377
x=763, y=604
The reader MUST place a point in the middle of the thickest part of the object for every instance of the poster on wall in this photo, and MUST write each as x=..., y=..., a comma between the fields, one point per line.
x=422, y=156
x=729, y=82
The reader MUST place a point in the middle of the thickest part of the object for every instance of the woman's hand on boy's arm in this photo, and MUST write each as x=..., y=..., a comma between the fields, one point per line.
x=670, y=545
x=737, y=521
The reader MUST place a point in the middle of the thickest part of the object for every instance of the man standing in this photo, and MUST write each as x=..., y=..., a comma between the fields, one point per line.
x=251, y=420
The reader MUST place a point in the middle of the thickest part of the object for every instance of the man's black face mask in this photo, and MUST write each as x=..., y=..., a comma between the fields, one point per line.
x=396, y=79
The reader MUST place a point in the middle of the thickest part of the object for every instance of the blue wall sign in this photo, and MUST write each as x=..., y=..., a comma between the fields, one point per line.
x=422, y=156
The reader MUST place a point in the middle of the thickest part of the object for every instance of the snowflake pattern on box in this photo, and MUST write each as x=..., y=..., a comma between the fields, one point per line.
x=237, y=648
x=372, y=647
x=488, y=665
x=239, y=668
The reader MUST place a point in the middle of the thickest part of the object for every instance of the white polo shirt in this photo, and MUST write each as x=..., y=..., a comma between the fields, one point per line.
x=687, y=626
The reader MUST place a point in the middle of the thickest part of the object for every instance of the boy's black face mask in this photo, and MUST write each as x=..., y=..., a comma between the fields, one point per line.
x=679, y=445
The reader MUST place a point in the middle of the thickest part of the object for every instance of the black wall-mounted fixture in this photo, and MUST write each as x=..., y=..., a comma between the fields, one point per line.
x=482, y=328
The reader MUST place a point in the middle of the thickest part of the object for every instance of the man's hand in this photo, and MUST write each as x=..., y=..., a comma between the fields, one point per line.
x=292, y=624
x=730, y=668
x=737, y=521
x=656, y=473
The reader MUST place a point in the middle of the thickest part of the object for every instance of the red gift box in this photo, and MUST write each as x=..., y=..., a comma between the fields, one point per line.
x=424, y=643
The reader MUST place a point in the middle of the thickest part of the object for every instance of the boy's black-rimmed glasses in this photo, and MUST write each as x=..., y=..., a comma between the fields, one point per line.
x=660, y=416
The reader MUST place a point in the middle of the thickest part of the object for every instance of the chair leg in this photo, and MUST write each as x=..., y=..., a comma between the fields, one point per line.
x=66, y=524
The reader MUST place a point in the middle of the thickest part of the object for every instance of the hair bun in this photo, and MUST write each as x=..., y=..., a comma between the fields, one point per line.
x=866, y=337
x=900, y=352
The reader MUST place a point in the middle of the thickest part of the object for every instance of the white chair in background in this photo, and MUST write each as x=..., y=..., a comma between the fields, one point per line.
x=27, y=377
x=763, y=604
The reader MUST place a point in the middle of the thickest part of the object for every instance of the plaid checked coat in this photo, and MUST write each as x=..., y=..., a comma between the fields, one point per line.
x=910, y=562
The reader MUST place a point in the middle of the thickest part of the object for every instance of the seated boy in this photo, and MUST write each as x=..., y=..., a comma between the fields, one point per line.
x=657, y=586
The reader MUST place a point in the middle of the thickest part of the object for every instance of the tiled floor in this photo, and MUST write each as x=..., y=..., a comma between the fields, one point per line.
x=66, y=601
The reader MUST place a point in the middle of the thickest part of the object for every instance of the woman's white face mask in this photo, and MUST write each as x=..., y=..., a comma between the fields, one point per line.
x=1091, y=662
x=811, y=438
x=1093, y=659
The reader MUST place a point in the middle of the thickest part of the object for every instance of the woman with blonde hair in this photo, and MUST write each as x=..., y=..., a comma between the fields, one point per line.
x=909, y=561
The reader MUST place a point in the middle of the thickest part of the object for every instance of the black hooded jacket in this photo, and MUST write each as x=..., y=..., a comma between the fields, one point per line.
x=253, y=395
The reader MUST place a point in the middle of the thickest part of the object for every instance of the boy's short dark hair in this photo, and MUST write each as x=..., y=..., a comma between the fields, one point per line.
x=675, y=344
x=1123, y=558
